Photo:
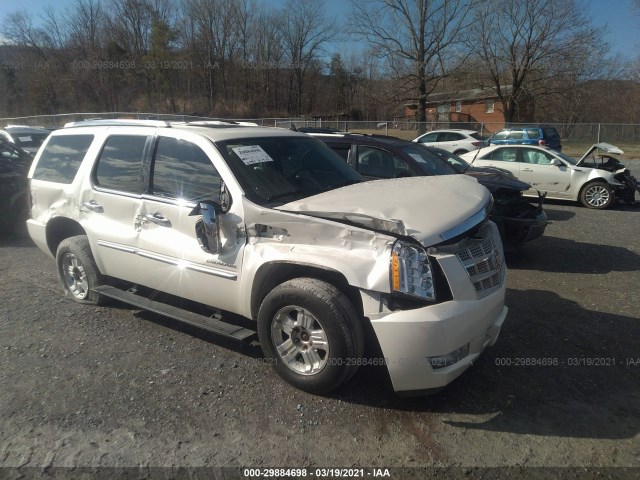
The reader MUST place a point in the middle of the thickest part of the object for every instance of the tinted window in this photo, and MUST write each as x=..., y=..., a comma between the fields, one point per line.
x=429, y=137
x=533, y=133
x=449, y=137
x=374, y=162
x=30, y=141
x=428, y=161
x=62, y=157
x=119, y=163
x=182, y=170
x=342, y=150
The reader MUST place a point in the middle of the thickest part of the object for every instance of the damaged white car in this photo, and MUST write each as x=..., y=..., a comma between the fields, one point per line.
x=273, y=226
x=597, y=179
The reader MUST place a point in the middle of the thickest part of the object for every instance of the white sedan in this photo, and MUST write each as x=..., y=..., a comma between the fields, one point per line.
x=594, y=180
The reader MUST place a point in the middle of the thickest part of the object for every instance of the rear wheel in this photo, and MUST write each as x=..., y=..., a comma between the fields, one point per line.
x=598, y=195
x=310, y=333
x=78, y=271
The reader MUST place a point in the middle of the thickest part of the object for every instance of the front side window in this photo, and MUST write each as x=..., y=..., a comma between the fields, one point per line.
x=182, y=170
x=119, y=163
x=374, y=162
x=62, y=157
x=536, y=157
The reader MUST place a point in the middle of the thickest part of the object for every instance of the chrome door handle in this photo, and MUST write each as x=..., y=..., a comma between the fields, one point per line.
x=93, y=206
x=158, y=219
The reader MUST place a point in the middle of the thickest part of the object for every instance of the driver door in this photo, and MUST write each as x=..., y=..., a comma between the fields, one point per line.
x=182, y=174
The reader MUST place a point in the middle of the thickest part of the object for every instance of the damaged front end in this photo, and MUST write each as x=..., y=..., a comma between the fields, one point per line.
x=599, y=156
x=518, y=220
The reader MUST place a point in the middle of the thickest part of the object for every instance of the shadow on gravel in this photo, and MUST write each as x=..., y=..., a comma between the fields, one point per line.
x=567, y=375
x=558, y=215
x=552, y=254
x=11, y=241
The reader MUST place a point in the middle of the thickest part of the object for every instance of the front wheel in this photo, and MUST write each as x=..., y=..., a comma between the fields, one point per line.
x=78, y=270
x=598, y=195
x=310, y=332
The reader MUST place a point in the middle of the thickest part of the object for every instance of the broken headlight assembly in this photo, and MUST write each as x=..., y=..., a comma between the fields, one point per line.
x=410, y=271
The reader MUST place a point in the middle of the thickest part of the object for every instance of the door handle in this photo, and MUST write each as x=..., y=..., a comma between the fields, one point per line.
x=527, y=170
x=158, y=219
x=93, y=206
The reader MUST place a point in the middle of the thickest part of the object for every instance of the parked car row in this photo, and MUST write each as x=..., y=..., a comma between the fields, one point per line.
x=377, y=156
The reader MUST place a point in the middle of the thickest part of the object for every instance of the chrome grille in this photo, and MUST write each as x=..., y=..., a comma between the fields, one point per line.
x=482, y=259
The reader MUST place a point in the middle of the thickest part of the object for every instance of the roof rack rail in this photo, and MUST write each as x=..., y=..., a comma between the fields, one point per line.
x=220, y=123
x=119, y=122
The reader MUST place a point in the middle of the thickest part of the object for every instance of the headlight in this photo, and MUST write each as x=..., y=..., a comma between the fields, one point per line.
x=410, y=271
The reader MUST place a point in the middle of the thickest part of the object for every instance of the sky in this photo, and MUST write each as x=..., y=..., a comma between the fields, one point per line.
x=617, y=15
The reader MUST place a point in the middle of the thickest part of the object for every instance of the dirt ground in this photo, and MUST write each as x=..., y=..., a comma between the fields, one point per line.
x=117, y=387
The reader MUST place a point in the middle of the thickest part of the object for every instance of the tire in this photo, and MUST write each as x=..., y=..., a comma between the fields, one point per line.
x=302, y=310
x=598, y=195
x=78, y=271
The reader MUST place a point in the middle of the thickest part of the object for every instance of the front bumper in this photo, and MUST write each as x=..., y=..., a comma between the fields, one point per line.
x=409, y=338
x=522, y=230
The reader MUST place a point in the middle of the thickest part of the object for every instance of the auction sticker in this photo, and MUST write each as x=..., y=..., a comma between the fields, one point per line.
x=252, y=154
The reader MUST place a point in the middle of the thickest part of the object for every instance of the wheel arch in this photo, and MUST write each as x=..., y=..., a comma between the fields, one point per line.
x=273, y=274
x=60, y=228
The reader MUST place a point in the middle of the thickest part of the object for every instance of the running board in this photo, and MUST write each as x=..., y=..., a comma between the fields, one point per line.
x=201, y=321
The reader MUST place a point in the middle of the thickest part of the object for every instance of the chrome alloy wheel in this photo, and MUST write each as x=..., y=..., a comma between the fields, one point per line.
x=299, y=340
x=75, y=276
x=597, y=195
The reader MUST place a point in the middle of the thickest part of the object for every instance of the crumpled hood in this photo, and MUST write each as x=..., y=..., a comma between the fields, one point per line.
x=430, y=209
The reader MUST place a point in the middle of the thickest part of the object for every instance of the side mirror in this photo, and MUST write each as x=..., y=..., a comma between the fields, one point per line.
x=556, y=163
x=208, y=229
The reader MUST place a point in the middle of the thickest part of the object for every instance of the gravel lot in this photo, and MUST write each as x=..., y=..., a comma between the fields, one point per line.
x=115, y=386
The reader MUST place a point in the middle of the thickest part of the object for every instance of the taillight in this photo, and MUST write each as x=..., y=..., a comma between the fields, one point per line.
x=477, y=144
x=542, y=143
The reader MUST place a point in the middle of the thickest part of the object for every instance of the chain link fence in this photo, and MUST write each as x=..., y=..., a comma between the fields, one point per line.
x=581, y=132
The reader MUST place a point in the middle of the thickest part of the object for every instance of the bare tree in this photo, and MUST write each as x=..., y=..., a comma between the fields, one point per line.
x=305, y=30
x=523, y=45
x=417, y=38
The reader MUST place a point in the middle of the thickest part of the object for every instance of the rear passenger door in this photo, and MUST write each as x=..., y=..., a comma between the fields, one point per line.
x=111, y=206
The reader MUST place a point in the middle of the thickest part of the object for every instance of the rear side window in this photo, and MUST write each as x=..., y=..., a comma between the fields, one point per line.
x=516, y=135
x=533, y=133
x=182, y=170
x=119, y=163
x=62, y=157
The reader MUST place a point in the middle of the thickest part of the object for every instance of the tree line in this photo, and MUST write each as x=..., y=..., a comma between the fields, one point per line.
x=249, y=58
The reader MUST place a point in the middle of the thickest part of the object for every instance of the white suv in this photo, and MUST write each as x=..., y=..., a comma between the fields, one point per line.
x=272, y=225
x=454, y=141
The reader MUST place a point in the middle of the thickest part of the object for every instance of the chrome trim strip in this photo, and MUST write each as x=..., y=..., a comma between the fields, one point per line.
x=466, y=225
x=183, y=264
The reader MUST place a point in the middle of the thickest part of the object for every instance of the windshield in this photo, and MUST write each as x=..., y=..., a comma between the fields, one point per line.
x=277, y=170
x=427, y=161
